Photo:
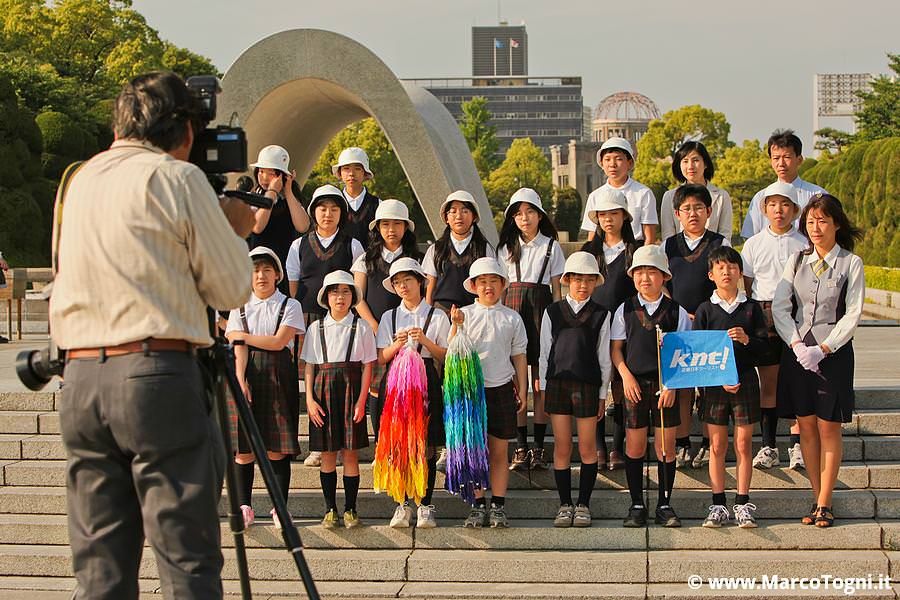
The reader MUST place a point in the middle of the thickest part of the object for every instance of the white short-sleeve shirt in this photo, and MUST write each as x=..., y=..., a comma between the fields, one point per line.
x=359, y=264
x=262, y=315
x=438, y=328
x=498, y=333
x=531, y=259
x=756, y=221
x=292, y=265
x=765, y=255
x=337, y=336
x=460, y=246
x=617, y=329
x=641, y=205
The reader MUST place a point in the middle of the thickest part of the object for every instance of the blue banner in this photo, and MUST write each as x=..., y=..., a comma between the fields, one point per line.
x=697, y=359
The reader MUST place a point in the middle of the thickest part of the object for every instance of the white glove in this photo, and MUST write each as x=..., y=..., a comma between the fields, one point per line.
x=811, y=358
x=800, y=352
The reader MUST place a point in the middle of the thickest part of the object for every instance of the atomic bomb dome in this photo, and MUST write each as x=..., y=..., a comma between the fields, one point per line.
x=623, y=114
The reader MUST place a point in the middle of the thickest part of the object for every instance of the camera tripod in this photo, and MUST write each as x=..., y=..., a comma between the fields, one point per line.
x=219, y=366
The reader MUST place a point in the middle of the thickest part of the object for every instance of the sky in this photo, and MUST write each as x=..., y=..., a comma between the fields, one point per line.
x=755, y=61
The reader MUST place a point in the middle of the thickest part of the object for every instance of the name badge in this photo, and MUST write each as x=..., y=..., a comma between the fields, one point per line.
x=833, y=283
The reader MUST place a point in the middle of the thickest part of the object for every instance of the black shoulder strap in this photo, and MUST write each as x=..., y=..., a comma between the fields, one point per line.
x=243, y=313
x=540, y=277
x=352, y=338
x=393, y=322
x=425, y=327
x=321, y=324
x=280, y=315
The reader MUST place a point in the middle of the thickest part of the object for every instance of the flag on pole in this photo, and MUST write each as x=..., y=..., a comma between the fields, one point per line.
x=697, y=359
x=498, y=44
x=513, y=43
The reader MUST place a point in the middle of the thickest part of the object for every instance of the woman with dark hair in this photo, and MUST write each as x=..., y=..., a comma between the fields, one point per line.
x=534, y=262
x=691, y=163
x=817, y=307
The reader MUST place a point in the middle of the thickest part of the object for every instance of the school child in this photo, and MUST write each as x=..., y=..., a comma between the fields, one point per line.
x=692, y=163
x=535, y=262
x=498, y=333
x=416, y=320
x=634, y=351
x=262, y=332
x=688, y=253
x=728, y=309
x=765, y=256
x=391, y=236
x=339, y=353
x=827, y=285
x=353, y=170
x=277, y=227
x=613, y=246
x=327, y=248
x=616, y=158
x=574, y=367
x=447, y=261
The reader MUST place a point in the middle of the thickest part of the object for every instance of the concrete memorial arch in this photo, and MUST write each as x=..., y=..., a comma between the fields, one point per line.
x=299, y=88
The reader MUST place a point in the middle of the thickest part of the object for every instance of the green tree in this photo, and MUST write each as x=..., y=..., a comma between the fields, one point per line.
x=566, y=211
x=832, y=139
x=656, y=147
x=879, y=116
x=742, y=171
x=480, y=137
x=524, y=166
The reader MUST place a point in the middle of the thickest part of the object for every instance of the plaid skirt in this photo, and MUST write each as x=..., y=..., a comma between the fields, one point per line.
x=501, y=411
x=775, y=347
x=336, y=388
x=530, y=300
x=567, y=397
x=275, y=403
x=638, y=416
x=436, y=435
x=742, y=407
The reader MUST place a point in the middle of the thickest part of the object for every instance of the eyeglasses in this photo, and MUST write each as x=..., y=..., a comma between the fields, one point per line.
x=695, y=209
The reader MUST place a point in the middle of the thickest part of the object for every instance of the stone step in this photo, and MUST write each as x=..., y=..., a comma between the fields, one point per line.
x=851, y=476
x=16, y=401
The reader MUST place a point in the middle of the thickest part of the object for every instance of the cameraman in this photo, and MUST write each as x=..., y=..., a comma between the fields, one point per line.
x=144, y=247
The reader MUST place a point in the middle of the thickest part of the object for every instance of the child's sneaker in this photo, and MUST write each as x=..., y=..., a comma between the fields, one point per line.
x=351, y=519
x=718, y=516
x=331, y=519
x=442, y=461
x=766, y=458
x=275, y=521
x=795, y=458
x=478, y=518
x=701, y=459
x=682, y=457
x=425, y=517
x=538, y=460
x=497, y=519
x=520, y=460
x=637, y=517
x=564, y=516
x=665, y=516
x=313, y=460
x=743, y=514
x=248, y=514
x=402, y=516
x=582, y=516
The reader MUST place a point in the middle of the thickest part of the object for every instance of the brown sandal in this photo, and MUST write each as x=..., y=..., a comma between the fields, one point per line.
x=811, y=517
x=824, y=518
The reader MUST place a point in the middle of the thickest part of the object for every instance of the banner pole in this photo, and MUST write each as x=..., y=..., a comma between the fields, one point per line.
x=662, y=417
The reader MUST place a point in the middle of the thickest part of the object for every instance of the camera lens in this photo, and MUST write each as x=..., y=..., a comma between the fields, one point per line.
x=32, y=368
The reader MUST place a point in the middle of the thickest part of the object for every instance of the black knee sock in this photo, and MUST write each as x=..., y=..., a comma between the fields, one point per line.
x=586, y=483
x=683, y=442
x=498, y=501
x=244, y=482
x=282, y=470
x=351, y=491
x=719, y=499
x=540, y=429
x=795, y=438
x=741, y=498
x=329, y=489
x=665, y=473
x=563, y=484
x=619, y=429
x=705, y=443
x=601, y=437
x=522, y=436
x=634, y=473
x=481, y=502
x=768, y=426
x=432, y=473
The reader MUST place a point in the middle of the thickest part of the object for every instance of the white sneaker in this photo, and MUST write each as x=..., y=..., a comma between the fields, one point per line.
x=425, y=517
x=313, y=460
x=718, y=516
x=766, y=458
x=402, y=516
x=682, y=457
x=743, y=514
x=701, y=459
x=442, y=461
x=795, y=456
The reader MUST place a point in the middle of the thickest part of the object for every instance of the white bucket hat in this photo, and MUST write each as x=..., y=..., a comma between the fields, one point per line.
x=616, y=142
x=582, y=263
x=780, y=188
x=650, y=256
x=460, y=196
x=263, y=251
x=273, y=157
x=350, y=156
x=327, y=191
x=337, y=278
x=402, y=265
x=526, y=195
x=392, y=209
x=484, y=266
x=610, y=199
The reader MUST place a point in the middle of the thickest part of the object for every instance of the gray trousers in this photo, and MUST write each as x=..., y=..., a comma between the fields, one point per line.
x=145, y=458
